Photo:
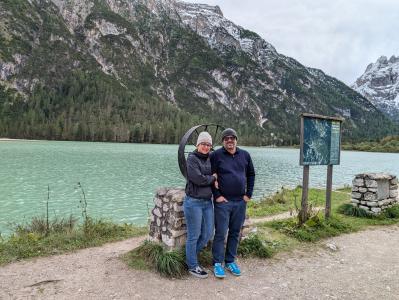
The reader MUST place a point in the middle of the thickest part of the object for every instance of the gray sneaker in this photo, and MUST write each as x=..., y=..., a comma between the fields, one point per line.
x=198, y=272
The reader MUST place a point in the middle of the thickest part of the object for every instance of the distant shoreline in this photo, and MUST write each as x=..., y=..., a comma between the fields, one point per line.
x=16, y=140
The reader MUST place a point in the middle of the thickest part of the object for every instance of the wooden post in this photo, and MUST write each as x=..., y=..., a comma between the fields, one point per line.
x=303, y=214
x=327, y=212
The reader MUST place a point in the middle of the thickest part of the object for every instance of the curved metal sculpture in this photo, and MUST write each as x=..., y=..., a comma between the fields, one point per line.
x=189, y=139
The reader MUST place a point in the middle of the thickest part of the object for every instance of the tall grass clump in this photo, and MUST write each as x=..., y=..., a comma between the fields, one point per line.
x=254, y=246
x=350, y=210
x=150, y=255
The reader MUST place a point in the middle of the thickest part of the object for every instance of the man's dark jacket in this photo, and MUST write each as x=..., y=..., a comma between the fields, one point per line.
x=199, y=176
x=236, y=174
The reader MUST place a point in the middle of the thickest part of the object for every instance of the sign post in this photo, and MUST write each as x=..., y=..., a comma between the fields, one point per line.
x=320, y=145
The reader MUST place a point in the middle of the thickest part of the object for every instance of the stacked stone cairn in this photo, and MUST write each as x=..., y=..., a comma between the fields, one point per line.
x=374, y=192
x=167, y=223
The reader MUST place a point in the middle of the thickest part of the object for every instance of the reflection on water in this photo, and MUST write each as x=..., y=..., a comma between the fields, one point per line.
x=120, y=179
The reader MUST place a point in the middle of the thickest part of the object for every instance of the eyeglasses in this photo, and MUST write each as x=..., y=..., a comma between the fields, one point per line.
x=206, y=145
x=227, y=138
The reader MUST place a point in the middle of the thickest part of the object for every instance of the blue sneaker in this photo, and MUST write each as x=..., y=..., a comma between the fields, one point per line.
x=219, y=270
x=233, y=268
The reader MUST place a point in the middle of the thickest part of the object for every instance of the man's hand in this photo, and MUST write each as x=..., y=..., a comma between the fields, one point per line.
x=216, y=184
x=246, y=198
x=221, y=199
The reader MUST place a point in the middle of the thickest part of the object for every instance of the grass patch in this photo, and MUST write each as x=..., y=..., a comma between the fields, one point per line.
x=34, y=239
x=254, y=246
x=314, y=229
x=290, y=200
x=153, y=256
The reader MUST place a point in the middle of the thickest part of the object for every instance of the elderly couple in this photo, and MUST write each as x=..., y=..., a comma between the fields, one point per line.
x=227, y=174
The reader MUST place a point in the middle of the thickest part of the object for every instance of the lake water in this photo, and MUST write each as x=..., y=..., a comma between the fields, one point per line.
x=120, y=179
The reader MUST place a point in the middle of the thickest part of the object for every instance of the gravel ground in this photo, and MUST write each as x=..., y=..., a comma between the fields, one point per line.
x=364, y=266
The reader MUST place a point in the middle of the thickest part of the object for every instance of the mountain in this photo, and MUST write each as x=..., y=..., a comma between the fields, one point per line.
x=380, y=84
x=145, y=71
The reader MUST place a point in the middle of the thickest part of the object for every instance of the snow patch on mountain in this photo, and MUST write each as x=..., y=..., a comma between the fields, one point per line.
x=380, y=84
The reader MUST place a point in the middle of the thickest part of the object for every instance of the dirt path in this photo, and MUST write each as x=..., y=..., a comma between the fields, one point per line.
x=365, y=266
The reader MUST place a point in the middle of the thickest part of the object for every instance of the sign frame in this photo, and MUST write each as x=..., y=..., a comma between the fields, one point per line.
x=302, y=132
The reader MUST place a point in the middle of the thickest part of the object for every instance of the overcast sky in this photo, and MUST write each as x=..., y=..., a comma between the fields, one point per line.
x=341, y=37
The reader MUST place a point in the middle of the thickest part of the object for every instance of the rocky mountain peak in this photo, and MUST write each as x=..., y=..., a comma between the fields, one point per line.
x=380, y=84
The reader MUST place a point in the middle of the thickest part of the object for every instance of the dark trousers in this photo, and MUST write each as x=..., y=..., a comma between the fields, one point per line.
x=229, y=216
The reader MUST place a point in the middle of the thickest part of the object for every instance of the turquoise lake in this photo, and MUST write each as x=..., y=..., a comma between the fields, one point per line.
x=120, y=179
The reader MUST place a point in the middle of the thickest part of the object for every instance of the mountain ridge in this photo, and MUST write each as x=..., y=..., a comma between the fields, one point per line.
x=145, y=61
x=380, y=84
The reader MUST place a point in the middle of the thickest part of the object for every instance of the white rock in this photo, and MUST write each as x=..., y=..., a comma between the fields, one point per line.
x=364, y=207
x=362, y=189
x=177, y=207
x=373, y=190
x=371, y=183
x=393, y=193
x=394, y=181
x=370, y=196
x=355, y=201
x=358, y=182
x=356, y=195
x=170, y=242
x=176, y=233
x=332, y=246
x=376, y=209
x=157, y=212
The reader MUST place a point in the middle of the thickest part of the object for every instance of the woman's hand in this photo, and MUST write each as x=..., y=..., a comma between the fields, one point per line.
x=216, y=183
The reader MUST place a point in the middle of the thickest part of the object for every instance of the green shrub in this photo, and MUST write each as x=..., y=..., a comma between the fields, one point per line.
x=391, y=212
x=350, y=210
x=253, y=246
x=155, y=256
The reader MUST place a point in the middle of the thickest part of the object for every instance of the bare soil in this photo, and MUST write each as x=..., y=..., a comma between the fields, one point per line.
x=365, y=266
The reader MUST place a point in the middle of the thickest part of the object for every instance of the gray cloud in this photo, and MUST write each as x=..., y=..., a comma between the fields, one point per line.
x=339, y=37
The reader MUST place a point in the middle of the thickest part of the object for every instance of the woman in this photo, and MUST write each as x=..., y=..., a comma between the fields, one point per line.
x=198, y=209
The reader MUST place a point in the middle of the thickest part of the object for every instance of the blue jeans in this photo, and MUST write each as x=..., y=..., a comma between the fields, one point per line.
x=199, y=222
x=228, y=216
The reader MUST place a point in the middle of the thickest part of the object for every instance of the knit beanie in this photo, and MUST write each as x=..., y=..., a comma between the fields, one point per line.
x=204, y=137
x=229, y=132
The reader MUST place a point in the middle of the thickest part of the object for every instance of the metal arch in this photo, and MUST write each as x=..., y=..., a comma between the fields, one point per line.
x=186, y=137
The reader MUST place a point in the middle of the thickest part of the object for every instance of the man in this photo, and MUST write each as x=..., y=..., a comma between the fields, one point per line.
x=235, y=183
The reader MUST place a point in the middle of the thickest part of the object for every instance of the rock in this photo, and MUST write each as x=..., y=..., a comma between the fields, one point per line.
x=362, y=189
x=370, y=196
x=168, y=241
x=393, y=187
x=158, y=202
x=371, y=183
x=161, y=192
x=372, y=203
x=332, y=246
x=158, y=222
x=358, y=182
x=363, y=202
x=373, y=190
x=355, y=188
x=376, y=209
x=165, y=207
x=364, y=207
x=394, y=181
x=355, y=201
x=157, y=212
x=393, y=193
x=176, y=233
x=177, y=207
x=356, y=195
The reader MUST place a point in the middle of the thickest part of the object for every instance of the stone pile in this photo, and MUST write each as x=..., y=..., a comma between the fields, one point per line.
x=374, y=192
x=167, y=218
